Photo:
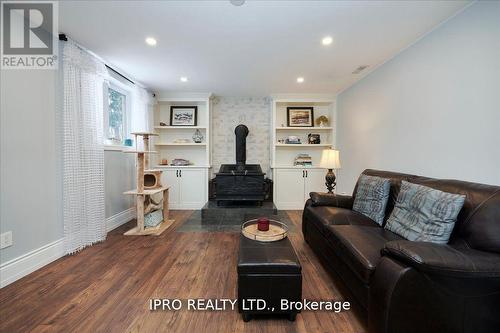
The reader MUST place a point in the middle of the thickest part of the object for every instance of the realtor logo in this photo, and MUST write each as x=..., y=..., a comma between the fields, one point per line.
x=29, y=35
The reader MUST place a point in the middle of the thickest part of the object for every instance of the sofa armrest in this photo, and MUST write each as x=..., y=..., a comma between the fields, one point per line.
x=405, y=299
x=334, y=200
x=443, y=259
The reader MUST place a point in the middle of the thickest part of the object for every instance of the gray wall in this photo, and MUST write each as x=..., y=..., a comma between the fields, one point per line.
x=227, y=113
x=31, y=178
x=30, y=173
x=433, y=110
x=119, y=176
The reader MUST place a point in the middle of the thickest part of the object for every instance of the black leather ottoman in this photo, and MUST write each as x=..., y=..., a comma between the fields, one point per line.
x=270, y=272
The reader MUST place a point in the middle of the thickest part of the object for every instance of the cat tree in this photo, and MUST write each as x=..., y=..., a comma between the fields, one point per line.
x=148, y=184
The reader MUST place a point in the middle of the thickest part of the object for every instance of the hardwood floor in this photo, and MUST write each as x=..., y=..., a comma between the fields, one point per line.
x=107, y=287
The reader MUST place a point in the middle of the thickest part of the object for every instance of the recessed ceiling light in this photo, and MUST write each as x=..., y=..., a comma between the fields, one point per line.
x=300, y=79
x=327, y=40
x=151, y=41
x=184, y=79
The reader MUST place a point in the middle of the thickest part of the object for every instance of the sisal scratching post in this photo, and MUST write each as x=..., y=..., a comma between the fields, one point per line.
x=140, y=189
x=146, y=148
x=140, y=172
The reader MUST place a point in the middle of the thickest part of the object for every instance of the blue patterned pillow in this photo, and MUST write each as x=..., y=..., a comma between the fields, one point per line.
x=371, y=197
x=424, y=214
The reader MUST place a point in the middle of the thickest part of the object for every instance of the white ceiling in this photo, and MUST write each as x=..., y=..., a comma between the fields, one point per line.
x=255, y=49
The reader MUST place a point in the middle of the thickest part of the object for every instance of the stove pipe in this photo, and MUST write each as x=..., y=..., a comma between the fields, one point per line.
x=241, y=132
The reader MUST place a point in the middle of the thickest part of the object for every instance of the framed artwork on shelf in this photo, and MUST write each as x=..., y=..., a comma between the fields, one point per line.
x=300, y=116
x=183, y=115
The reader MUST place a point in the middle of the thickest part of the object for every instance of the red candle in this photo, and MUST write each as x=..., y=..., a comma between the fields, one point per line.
x=263, y=224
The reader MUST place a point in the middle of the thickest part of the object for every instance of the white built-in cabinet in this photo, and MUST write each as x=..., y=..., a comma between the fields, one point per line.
x=292, y=184
x=188, y=184
x=314, y=181
x=188, y=187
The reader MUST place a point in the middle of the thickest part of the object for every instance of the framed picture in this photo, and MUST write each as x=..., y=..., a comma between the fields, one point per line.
x=183, y=115
x=300, y=116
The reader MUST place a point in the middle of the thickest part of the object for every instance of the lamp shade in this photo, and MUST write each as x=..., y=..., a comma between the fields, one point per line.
x=330, y=159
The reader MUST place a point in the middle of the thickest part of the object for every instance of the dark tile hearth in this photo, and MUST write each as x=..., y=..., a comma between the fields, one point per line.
x=228, y=218
x=237, y=208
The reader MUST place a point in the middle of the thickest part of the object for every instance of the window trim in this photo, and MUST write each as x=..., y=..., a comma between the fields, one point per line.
x=125, y=90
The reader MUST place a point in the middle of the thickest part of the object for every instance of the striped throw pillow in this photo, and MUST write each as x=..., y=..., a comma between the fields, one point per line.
x=424, y=214
x=371, y=197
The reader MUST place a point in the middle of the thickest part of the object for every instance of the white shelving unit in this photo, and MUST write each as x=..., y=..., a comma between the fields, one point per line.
x=180, y=144
x=326, y=128
x=301, y=146
x=188, y=184
x=292, y=184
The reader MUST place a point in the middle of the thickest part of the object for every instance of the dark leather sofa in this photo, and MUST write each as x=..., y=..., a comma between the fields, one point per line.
x=409, y=286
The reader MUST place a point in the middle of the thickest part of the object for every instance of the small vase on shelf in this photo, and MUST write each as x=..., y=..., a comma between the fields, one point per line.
x=197, y=136
x=322, y=121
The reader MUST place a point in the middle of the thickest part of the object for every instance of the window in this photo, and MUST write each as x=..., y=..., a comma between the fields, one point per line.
x=117, y=115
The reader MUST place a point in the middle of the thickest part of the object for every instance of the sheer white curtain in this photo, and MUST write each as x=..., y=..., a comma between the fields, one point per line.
x=141, y=100
x=83, y=153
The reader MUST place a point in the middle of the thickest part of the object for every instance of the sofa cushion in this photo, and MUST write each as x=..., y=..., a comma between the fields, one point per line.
x=323, y=216
x=371, y=197
x=360, y=247
x=424, y=214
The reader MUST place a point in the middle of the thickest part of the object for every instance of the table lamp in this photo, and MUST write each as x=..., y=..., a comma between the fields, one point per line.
x=330, y=160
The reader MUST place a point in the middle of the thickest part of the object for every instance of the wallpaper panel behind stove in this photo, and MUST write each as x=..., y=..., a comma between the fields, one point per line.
x=227, y=113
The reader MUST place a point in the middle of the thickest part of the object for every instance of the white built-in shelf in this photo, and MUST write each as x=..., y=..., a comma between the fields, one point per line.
x=305, y=128
x=302, y=145
x=144, y=133
x=160, y=166
x=180, y=127
x=295, y=167
x=140, y=151
x=147, y=192
x=181, y=144
x=292, y=183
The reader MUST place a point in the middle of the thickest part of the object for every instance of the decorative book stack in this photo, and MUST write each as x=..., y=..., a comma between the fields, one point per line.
x=303, y=160
x=292, y=139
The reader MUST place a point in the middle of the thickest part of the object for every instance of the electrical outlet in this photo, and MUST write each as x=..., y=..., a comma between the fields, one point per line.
x=6, y=239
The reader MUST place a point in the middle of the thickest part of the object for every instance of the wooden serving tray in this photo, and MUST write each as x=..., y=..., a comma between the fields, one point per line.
x=276, y=232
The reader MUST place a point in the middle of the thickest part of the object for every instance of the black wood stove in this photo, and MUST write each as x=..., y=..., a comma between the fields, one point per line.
x=240, y=181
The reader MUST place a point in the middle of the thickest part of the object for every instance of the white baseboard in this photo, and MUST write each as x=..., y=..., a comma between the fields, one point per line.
x=21, y=266
x=117, y=220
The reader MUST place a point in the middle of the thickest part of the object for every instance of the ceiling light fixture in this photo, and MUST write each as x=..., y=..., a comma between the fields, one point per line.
x=184, y=79
x=151, y=41
x=237, y=2
x=300, y=79
x=327, y=40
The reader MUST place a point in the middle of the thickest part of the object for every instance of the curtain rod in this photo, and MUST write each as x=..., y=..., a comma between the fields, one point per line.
x=63, y=37
x=123, y=76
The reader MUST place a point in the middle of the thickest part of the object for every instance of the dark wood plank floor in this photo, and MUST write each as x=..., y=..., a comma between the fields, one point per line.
x=107, y=287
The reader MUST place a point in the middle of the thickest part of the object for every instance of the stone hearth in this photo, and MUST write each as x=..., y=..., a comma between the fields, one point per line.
x=213, y=218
